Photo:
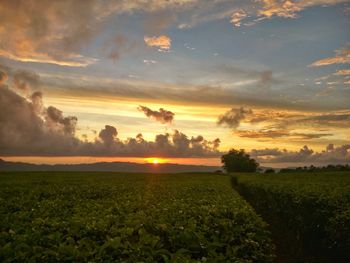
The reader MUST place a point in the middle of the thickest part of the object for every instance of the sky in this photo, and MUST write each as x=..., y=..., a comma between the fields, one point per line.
x=181, y=81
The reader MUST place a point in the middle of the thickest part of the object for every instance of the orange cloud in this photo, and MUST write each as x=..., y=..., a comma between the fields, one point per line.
x=342, y=57
x=289, y=9
x=280, y=8
x=237, y=17
x=36, y=31
x=162, y=42
x=342, y=72
x=70, y=60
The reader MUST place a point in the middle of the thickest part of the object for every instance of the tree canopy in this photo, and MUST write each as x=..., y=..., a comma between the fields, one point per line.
x=238, y=161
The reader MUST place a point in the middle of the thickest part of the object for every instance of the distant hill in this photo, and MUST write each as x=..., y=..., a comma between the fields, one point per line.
x=108, y=167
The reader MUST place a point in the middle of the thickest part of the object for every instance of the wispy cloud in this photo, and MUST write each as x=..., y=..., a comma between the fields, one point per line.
x=149, y=61
x=274, y=134
x=343, y=72
x=342, y=56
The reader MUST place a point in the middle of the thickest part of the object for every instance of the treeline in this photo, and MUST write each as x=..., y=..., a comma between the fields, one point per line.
x=311, y=168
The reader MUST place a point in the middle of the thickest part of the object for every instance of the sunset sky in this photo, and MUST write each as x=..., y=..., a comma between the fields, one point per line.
x=179, y=80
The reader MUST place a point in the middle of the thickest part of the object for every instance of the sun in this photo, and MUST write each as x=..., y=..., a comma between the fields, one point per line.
x=154, y=160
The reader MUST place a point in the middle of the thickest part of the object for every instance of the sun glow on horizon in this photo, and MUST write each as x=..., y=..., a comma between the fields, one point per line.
x=155, y=160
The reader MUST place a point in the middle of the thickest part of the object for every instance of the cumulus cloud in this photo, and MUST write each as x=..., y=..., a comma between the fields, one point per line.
x=233, y=117
x=163, y=116
x=28, y=128
x=342, y=56
x=24, y=130
x=108, y=134
x=56, y=121
x=163, y=43
x=26, y=80
x=331, y=155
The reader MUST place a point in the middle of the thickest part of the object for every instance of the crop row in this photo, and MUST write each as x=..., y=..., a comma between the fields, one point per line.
x=309, y=212
x=101, y=217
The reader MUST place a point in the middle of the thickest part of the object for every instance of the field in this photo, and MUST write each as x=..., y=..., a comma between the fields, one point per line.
x=99, y=217
x=309, y=213
x=103, y=217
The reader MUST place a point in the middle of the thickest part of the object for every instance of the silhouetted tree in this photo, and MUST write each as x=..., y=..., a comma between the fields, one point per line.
x=238, y=161
x=313, y=169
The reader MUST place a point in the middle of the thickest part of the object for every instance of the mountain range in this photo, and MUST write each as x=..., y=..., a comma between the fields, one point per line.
x=108, y=167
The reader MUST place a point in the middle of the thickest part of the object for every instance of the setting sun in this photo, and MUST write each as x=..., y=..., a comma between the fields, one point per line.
x=175, y=130
x=155, y=160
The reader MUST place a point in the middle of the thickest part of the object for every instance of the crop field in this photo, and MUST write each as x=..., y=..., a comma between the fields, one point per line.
x=101, y=217
x=308, y=212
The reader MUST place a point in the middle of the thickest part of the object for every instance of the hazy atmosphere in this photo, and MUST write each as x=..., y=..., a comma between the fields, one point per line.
x=179, y=81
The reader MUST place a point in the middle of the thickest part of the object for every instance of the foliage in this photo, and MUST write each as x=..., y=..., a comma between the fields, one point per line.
x=238, y=161
x=311, y=168
x=108, y=217
x=313, y=210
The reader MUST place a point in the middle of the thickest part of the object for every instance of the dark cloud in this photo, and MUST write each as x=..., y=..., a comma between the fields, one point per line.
x=37, y=102
x=56, y=119
x=119, y=45
x=272, y=134
x=233, y=117
x=27, y=128
x=25, y=80
x=23, y=131
x=262, y=134
x=275, y=124
x=108, y=134
x=163, y=116
x=331, y=155
x=337, y=119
